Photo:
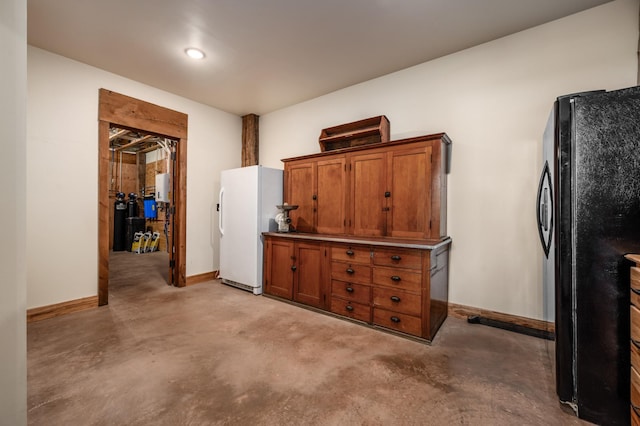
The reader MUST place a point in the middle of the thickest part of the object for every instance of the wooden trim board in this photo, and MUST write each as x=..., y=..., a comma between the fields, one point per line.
x=200, y=278
x=63, y=308
x=133, y=113
x=461, y=311
x=180, y=216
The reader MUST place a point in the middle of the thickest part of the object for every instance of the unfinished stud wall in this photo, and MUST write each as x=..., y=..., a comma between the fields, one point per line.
x=136, y=173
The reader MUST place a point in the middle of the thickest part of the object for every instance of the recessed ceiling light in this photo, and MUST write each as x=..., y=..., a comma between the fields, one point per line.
x=194, y=53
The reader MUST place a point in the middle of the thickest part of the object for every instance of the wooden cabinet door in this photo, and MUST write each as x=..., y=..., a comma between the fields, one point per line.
x=367, y=195
x=309, y=281
x=331, y=194
x=409, y=181
x=300, y=187
x=278, y=272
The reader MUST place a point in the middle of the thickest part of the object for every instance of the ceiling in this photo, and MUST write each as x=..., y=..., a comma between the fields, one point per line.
x=264, y=55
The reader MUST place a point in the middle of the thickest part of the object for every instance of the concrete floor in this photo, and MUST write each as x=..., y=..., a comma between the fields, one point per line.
x=214, y=355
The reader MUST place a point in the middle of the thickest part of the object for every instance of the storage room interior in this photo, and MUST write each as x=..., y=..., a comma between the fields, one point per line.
x=139, y=194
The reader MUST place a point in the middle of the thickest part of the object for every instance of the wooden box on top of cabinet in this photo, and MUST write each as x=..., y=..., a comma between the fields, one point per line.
x=361, y=132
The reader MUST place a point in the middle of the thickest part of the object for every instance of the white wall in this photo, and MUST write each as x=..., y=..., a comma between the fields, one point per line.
x=13, y=118
x=493, y=101
x=62, y=174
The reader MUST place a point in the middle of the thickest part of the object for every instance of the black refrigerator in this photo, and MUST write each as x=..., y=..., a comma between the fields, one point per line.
x=588, y=214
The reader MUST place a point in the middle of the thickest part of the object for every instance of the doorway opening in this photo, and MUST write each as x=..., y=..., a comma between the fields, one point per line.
x=149, y=126
x=141, y=202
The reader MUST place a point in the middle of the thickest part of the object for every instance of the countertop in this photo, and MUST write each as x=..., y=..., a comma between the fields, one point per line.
x=372, y=241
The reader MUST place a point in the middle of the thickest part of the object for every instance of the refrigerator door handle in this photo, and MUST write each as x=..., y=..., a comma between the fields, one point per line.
x=544, y=207
x=221, y=200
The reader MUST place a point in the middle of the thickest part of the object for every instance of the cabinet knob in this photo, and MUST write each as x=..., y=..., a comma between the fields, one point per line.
x=396, y=258
x=395, y=319
x=293, y=268
x=314, y=197
x=350, y=271
x=349, y=252
x=395, y=299
x=349, y=289
x=395, y=278
x=387, y=194
x=349, y=308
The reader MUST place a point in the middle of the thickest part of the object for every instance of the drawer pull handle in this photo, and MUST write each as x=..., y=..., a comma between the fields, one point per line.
x=293, y=268
x=395, y=278
x=395, y=299
x=349, y=308
x=349, y=252
x=350, y=271
x=395, y=319
x=396, y=257
x=349, y=289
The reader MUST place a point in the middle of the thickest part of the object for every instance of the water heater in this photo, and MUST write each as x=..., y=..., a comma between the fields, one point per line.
x=162, y=188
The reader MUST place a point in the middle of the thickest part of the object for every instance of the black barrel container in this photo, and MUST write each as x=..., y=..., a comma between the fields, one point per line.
x=134, y=224
x=132, y=206
x=119, y=225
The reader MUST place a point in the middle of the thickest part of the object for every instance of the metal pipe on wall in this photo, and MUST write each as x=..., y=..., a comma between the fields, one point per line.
x=120, y=173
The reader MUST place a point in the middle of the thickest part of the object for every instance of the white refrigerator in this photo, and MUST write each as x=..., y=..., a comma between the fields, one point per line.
x=248, y=200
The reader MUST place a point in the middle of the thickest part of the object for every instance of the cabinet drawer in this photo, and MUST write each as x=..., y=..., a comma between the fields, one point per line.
x=356, y=292
x=351, y=272
x=396, y=321
x=397, y=278
x=411, y=259
x=635, y=388
x=351, y=309
x=635, y=297
x=635, y=418
x=635, y=278
x=351, y=254
x=397, y=300
x=635, y=324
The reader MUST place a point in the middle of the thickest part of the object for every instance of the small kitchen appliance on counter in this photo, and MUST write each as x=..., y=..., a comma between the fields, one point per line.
x=283, y=220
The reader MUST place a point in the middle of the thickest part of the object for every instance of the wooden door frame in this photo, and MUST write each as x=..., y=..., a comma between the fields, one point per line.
x=124, y=111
